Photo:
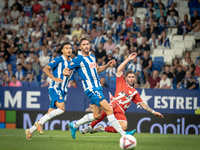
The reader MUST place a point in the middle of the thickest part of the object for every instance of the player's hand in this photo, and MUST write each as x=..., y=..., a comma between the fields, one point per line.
x=132, y=56
x=67, y=72
x=111, y=62
x=58, y=80
x=158, y=114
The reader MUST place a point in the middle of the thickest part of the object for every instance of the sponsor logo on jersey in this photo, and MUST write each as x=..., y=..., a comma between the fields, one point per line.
x=71, y=63
x=92, y=64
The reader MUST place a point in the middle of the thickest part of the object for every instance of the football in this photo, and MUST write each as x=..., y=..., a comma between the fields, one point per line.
x=127, y=142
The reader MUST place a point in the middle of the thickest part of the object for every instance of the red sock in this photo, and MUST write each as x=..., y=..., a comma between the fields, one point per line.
x=110, y=129
x=97, y=121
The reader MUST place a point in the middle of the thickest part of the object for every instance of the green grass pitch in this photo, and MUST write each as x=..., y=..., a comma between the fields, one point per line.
x=14, y=139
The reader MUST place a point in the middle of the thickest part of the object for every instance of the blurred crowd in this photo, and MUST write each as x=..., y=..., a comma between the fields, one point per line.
x=32, y=32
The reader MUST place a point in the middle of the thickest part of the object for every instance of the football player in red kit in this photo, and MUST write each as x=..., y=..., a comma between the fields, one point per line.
x=124, y=94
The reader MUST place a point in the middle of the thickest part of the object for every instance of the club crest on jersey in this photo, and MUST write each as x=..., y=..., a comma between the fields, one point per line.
x=52, y=61
x=71, y=63
x=130, y=92
x=92, y=64
x=60, y=97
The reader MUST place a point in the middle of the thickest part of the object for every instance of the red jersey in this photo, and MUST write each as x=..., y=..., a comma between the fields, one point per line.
x=124, y=94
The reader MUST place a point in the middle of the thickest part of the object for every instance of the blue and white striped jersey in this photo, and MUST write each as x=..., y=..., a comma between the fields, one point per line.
x=86, y=68
x=58, y=65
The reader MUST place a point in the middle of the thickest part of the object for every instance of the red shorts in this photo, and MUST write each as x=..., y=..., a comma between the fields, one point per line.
x=119, y=114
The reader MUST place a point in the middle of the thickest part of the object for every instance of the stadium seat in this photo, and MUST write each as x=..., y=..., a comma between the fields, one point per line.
x=13, y=63
x=188, y=45
x=112, y=84
x=174, y=86
x=157, y=66
x=113, y=78
x=34, y=84
x=179, y=45
x=174, y=31
x=76, y=77
x=141, y=16
x=24, y=83
x=79, y=84
x=183, y=11
x=158, y=52
x=169, y=52
x=178, y=38
x=141, y=11
x=69, y=36
x=190, y=38
x=159, y=59
x=178, y=52
x=43, y=82
x=168, y=59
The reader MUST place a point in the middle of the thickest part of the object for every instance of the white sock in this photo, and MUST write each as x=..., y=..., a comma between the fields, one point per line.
x=114, y=122
x=52, y=114
x=33, y=128
x=86, y=119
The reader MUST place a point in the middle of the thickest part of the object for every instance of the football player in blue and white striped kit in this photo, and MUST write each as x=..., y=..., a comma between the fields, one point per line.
x=57, y=89
x=87, y=69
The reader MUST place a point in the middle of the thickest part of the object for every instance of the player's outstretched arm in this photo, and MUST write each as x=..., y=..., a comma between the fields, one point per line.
x=103, y=68
x=49, y=74
x=123, y=64
x=67, y=71
x=147, y=108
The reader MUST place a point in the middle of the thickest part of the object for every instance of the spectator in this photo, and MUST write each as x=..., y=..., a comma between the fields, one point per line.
x=19, y=6
x=109, y=57
x=136, y=27
x=98, y=39
x=162, y=26
x=179, y=74
x=109, y=45
x=135, y=67
x=152, y=30
x=95, y=6
x=188, y=82
x=184, y=61
x=27, y=8
x=67, y=18
x=151, y=15
x=153, y=41
x=143, y=31
x=4, y=81
x=195, y=18
x=47, y=82
x=197, y=68
x=86, y=25
x=170, y=2
x=122, y=47
x=100, y=54
x=72, y=84
x=3, y=65
x=156, y=5
x=5, y=15
x=168, y=73
x=118, y=11
x=185, y=26
x=165, y=82
x=4, y=51
x=15, y=26
x=173, y=9
x=172, y=20
x=130, y=19
x=175, y=64
x=14, y=82
x=103, y=82
x=37, y=33
x=97, y=18
x=20, y=73
x=77, y=20
x=164, y=40
x=139, y=38
x=158, y=13
x=77, y=31
x=153, y=81
x=5, y=25
x=118, y=27
x=49, y=34
x=23, y=19
x=87, y=8
x=30, y=73
x=98, y=26
x=34, y=43
x=111, y=71
x=42, y=15
x=37, y=7
x=93, y=33
x=146, y=65
x=65, y=6
x=162, y=16
x=144, y=47
x=53, y=16
x=117, y=55
x=44, y=59
x=14, y=13
x=106, y=9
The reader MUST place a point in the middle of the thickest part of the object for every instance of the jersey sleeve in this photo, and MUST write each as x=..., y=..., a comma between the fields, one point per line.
x=74, y=64
x=119, y=79
x=54, y=63
x=137, y=99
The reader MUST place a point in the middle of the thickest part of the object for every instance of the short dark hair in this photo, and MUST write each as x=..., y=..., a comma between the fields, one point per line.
x=82, y=39
x=13, y=76
x=128, y=72
x=65, y=43
x=164, y=73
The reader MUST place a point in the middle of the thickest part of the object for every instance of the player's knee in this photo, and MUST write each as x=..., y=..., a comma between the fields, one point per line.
x=62, y=108
x=124, y=127
x=97, y=116
x=109, y=111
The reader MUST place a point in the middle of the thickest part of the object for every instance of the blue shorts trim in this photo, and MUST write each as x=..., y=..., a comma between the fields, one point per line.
x=95, y=96
x=56, y=95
